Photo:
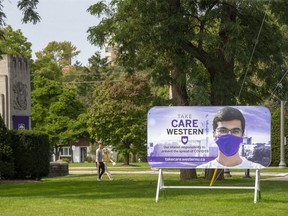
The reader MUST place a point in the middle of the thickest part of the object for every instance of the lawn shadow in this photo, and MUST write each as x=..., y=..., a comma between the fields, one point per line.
x=87, y=187
x=83, y=187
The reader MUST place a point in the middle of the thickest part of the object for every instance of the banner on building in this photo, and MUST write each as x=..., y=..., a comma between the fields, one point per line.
x=20, y=122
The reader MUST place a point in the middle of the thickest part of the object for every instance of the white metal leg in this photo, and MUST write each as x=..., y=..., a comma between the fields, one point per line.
x=257, y=185
x=159, y=184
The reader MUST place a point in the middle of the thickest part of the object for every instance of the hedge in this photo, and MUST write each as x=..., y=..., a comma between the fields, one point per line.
x=6, y=153
x=275, y=137
x=31, y=153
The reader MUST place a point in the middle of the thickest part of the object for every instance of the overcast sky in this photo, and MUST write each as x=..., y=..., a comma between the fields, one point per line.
x=61, y=20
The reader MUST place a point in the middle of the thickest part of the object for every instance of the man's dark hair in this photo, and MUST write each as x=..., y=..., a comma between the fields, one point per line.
x=228, y=114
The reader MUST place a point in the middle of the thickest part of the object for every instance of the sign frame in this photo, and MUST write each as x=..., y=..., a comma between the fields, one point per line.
x=184, y=140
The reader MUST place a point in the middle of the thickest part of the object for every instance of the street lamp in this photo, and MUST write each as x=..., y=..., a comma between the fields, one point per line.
x=282, y=136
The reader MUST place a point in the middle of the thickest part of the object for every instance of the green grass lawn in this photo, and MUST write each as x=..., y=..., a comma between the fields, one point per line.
x=142, y=166
x=135, y=195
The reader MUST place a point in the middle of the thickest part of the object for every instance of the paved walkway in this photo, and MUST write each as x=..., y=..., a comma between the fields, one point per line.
x=274, y=176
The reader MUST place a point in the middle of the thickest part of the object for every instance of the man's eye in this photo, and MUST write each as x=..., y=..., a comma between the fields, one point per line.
x=235, y=131
x=223, y=131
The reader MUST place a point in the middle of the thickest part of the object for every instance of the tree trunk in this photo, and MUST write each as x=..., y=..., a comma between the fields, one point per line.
x=222, y=74
x=126, y=158
x=186, y=174
x=180, y=98
x=57, y=152
x=133, y=158
x=210, y=172
x=179, y=88
x=126, y=152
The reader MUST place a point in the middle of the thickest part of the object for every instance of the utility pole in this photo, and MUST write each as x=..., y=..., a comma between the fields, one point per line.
x=282, y=136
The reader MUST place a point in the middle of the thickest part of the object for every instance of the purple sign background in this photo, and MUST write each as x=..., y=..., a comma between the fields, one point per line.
x=20, y=122
x=182, y=137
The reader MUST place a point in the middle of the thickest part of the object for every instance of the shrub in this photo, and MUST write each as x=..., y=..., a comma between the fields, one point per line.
x=31, y=152
x=6, y=153
x=275, y=137
x=66, y=159
x=89, y=159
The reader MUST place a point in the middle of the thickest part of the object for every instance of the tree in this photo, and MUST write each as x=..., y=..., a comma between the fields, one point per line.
x=172, y=37
x=29, y=15
x=118, y=115
x=61, y=117
x=6, y=152
x=261, y=155
x=215, y=34
x=58, y=112
x=27, y=7
x=275, y=136
x=14, y=43
x=56, y=109
x=61, y=52
x=84, y=79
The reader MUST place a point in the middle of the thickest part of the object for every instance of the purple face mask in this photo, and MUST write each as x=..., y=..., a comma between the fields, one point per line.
x=229, y=144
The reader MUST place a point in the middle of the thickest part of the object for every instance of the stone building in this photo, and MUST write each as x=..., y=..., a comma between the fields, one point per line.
x=15, y=92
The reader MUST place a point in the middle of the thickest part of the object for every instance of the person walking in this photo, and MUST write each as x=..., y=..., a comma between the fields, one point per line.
x=99, y=162
x=106, y=159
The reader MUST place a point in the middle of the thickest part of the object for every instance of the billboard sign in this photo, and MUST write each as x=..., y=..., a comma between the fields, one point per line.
x=209, y=137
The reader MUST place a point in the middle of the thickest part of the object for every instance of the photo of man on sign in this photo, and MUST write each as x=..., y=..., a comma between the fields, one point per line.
x=228, y=132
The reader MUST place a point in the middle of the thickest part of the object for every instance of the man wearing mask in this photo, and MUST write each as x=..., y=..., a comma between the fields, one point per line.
x=228, y=131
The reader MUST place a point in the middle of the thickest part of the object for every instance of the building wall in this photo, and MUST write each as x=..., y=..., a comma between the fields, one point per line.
x=110, y=53
x=15, y=92
x=4, y=97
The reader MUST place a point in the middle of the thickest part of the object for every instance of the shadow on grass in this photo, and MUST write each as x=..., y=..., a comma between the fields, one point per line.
x=83, y=187
x=135, y=186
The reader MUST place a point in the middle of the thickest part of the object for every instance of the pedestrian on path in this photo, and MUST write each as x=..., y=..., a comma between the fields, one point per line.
x=99, y=162
x=106, y=159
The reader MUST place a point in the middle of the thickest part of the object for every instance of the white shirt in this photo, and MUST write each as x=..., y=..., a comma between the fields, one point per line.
x=244, y=164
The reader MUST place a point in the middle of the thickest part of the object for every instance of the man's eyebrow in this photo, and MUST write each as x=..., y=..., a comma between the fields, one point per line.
x=232, y=128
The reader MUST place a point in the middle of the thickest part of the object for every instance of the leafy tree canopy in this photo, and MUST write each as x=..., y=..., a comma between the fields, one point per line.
x=118, y=114
x=28, y=8
x=14, y=43
x=61, y=52
x=210, y=41
x=56, y=108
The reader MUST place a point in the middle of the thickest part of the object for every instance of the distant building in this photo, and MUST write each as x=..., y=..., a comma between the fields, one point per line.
x=110, y=54
x=247, y=140
x=15, y=92
x=78, y=152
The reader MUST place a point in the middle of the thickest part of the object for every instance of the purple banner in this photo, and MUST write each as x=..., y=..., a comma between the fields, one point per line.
x=180, y=159
x=20, y=122
x=209, y=137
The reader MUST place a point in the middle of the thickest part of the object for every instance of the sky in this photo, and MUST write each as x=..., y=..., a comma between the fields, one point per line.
x=61, y=20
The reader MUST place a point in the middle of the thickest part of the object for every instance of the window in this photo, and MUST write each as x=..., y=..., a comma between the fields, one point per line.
x=65, y=151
